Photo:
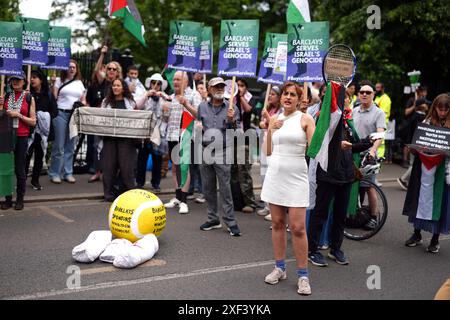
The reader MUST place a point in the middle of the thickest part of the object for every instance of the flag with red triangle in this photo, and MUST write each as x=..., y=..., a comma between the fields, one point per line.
x=127, y=10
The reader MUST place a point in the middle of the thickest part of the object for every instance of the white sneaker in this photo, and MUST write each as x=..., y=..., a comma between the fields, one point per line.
x=200, y=199
x=263, y=212
x=303, y=286
x=183, y=208
x=172, y=203
x=268, y=217
x=276, y=275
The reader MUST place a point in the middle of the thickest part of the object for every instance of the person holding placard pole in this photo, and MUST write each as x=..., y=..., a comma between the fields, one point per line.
x=272, y=107
x=183, y=98
x=19, y=106
x=242, y=172
x=427, y=202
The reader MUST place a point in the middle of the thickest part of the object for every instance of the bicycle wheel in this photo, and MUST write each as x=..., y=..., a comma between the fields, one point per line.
x=358, y=226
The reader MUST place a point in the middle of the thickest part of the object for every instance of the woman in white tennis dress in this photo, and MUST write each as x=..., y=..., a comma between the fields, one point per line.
x=286, y=186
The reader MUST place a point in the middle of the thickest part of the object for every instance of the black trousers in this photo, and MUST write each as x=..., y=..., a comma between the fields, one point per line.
x=143, y=154
x=119, y=159
x=20, y=158
x=325, y=193
x=36, y=149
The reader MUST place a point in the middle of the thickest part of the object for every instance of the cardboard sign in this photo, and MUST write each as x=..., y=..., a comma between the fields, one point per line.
x=238, y=55
x=431, y=139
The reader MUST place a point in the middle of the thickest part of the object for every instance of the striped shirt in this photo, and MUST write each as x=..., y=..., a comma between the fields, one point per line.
x=176, y=111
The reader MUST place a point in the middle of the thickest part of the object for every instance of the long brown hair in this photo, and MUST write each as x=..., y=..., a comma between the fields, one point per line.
x=77, y=75
x=110, y=98
x=442, y=100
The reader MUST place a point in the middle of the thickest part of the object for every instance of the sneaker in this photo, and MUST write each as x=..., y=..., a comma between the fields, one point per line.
x=268, y=217
x=183, y=208
x=70, y=179
x=263, y=212
x=275, y=276
x=317, y=259
x=200, y=199
x=56, y=180
x=338, y=256
x=371, y=224
x=248, y=209
x=234, y=231
x=35, y=185
x=210, y=225
x=190, y=197
x=172, y=203
x=324, y=247
x=402, y=184
x=303, y=286
x=433, y=247
x=155, y=189
x=414, y=241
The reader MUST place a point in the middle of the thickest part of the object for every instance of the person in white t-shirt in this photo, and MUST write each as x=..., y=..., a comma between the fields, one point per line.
x=68, y=89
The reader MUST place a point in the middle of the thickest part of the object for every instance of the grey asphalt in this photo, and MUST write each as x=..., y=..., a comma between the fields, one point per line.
x=197, y=265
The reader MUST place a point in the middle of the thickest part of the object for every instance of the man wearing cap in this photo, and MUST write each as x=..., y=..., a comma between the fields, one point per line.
x=216, y=116
x=152, y=100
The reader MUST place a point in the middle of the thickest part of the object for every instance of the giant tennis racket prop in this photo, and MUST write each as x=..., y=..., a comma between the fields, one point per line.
x=339, y=65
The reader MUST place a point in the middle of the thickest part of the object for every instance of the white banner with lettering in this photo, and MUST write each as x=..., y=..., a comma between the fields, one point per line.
x=112, y=123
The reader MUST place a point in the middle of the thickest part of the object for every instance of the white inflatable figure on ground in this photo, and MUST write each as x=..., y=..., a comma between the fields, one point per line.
x=115, y=248
x=140, y=252
x=92, y=247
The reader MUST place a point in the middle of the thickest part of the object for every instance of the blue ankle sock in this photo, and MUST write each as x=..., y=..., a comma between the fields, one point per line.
x=303, y=273
x=280, y=264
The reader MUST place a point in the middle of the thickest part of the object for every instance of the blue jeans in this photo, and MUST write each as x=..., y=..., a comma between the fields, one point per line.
x=63, y=148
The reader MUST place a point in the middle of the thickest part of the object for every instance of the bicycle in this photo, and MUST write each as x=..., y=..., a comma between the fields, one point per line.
x=361, y=224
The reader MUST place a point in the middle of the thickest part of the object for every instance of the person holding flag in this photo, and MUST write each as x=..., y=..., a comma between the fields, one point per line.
x=183, y=99
x=427, y=202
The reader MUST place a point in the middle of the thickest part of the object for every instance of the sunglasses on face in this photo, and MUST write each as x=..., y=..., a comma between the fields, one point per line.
x=112, y=69
x=155, y=82
x=365, y=92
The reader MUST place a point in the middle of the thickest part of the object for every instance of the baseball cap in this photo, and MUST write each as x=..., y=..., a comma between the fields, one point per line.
x=20, y=76
x=216, y=81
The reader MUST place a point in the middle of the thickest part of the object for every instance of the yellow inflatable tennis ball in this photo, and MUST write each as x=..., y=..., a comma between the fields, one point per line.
x=136, y=213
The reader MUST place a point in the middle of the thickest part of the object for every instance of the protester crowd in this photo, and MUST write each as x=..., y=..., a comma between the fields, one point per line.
x=298, y=192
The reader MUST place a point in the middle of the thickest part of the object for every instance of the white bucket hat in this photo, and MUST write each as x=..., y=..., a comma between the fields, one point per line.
x=156, y=77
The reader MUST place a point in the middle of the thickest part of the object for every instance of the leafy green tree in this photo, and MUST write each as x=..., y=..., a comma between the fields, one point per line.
x=9, y=10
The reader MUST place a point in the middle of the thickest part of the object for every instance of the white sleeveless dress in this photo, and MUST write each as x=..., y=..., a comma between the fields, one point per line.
x=286, y=183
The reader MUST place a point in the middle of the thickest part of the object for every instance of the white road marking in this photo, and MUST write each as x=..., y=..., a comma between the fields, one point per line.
x=55, y=214
x=116, y=284
x=151, y=263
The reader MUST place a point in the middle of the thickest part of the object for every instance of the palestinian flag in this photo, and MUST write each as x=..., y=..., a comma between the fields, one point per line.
x=298, y=12
x=169, y=74
x=127, y=10
x=187, y=129
x=330, y=115
x=432, y=181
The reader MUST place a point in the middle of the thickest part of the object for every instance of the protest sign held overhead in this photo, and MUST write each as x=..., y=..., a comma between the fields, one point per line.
x=59, y=48
x=184, y=45
x=206, y=53
x=10, y=48
x=271, y=71
x=35, y=36
x=307, y=46
x=238, y=53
